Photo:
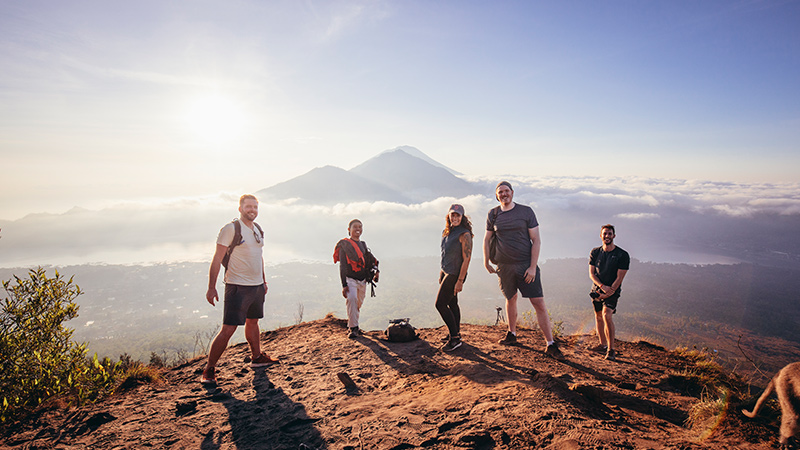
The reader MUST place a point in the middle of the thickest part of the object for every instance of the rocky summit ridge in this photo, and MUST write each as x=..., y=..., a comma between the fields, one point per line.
x=406, y=395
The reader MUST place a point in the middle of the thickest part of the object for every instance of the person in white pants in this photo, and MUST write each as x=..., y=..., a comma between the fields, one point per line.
x=357, y=267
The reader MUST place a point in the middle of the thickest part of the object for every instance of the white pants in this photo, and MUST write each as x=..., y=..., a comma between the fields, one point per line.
x=356, y=291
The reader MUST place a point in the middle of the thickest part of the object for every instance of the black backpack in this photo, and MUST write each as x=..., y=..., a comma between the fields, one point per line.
x=399, y=330
x=237, y=239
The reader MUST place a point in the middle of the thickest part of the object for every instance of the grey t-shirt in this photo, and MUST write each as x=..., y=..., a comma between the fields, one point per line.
x=511, y=228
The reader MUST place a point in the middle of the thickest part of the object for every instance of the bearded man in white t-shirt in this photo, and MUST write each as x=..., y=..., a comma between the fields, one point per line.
x=245, y=287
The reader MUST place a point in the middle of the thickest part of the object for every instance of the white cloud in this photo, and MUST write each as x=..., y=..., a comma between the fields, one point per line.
x=569, y=211
x=638, y=216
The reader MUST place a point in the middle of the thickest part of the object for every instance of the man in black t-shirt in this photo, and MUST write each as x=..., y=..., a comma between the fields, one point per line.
x=516, y=231
x=608, y=265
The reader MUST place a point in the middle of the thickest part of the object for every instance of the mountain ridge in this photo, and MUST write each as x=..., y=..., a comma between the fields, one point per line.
x=414, y=176
x=413, y=151
x=408, y=395
x=401, y=175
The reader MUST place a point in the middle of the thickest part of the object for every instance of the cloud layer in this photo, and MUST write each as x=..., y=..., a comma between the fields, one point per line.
x=658, y=220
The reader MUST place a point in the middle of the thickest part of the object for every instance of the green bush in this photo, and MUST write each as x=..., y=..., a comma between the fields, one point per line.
x=39, y=358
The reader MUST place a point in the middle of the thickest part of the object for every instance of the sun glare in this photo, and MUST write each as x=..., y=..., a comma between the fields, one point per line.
x=216, y=119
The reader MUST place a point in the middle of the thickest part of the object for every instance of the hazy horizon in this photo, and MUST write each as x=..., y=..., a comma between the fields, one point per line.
x=127, y=131
x=105, y=103
x=657, y=220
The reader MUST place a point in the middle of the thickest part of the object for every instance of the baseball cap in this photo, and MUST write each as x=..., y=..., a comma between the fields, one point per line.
x=455, y=207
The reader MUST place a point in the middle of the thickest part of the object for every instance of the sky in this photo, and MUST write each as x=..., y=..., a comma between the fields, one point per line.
x=106, y=102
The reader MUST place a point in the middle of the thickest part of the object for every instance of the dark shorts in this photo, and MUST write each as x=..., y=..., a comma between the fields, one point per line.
x=610, y=303
x=512, y=279
x=243, y=302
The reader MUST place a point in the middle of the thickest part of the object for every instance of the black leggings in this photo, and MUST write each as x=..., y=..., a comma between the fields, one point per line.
x=447, y=303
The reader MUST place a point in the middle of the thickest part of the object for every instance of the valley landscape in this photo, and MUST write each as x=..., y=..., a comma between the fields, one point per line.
x=706, y=284
x=745, y=285
x=129, y=131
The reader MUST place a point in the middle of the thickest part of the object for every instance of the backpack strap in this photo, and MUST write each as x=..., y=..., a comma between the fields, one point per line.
x=237, y=239
x=358, y=250
x=495, y=213
x=358, y=264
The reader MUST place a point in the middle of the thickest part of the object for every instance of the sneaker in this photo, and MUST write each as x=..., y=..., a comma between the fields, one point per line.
x=452, y=344
x=611, y=355
x=262, y=361
x=553, y=351
x=510, y=339
x=354, y=333
x=599, y=348
x=209, y=377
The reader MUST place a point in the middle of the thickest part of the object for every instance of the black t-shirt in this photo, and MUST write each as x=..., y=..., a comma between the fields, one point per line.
x=608, y=263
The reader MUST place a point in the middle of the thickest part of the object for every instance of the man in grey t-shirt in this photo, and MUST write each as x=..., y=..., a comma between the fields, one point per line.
x=517, y=254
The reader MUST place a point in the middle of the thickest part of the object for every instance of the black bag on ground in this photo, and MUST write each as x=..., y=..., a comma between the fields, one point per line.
x=399, y=330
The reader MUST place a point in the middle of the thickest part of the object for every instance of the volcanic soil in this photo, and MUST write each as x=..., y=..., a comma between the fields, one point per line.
x=406, y=395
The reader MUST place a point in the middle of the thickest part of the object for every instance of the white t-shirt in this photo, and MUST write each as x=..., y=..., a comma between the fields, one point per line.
x=246, y=264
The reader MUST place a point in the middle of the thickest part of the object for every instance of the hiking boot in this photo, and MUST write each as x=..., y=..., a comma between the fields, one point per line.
x=553, y=351
x=510, y=339
x=452, y=344
x=611, y=355
x=262, y=361
x=354, y=333
x=599, y=348
x=209, y=377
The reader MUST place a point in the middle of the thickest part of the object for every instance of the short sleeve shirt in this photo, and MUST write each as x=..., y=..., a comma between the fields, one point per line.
x=246, y=265
x=608, y=263
x=512, y=230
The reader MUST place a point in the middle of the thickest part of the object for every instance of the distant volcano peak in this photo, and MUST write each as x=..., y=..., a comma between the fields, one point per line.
x=402, y=174
x=417, y=153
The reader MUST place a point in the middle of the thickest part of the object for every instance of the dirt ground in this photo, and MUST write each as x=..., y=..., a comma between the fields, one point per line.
x=407, y=395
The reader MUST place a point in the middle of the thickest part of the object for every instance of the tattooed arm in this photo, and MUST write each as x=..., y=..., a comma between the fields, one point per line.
x=466, y=252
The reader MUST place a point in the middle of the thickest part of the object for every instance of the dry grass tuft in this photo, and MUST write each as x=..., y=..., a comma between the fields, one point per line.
x=139, y=374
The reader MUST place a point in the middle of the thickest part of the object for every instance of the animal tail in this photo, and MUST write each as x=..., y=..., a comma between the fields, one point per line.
x=761, y=400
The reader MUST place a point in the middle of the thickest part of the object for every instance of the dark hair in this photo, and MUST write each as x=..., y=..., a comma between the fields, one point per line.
x=464, y=221
x=502, y=183
x=354, y=221
x=610, y=227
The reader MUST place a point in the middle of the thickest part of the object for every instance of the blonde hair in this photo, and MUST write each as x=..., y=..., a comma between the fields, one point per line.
x=247, y=197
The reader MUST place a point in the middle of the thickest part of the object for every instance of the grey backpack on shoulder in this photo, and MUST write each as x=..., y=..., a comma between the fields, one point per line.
x=399, y=330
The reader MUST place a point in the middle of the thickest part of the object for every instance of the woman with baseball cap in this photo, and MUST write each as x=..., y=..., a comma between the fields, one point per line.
x=456, y=254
